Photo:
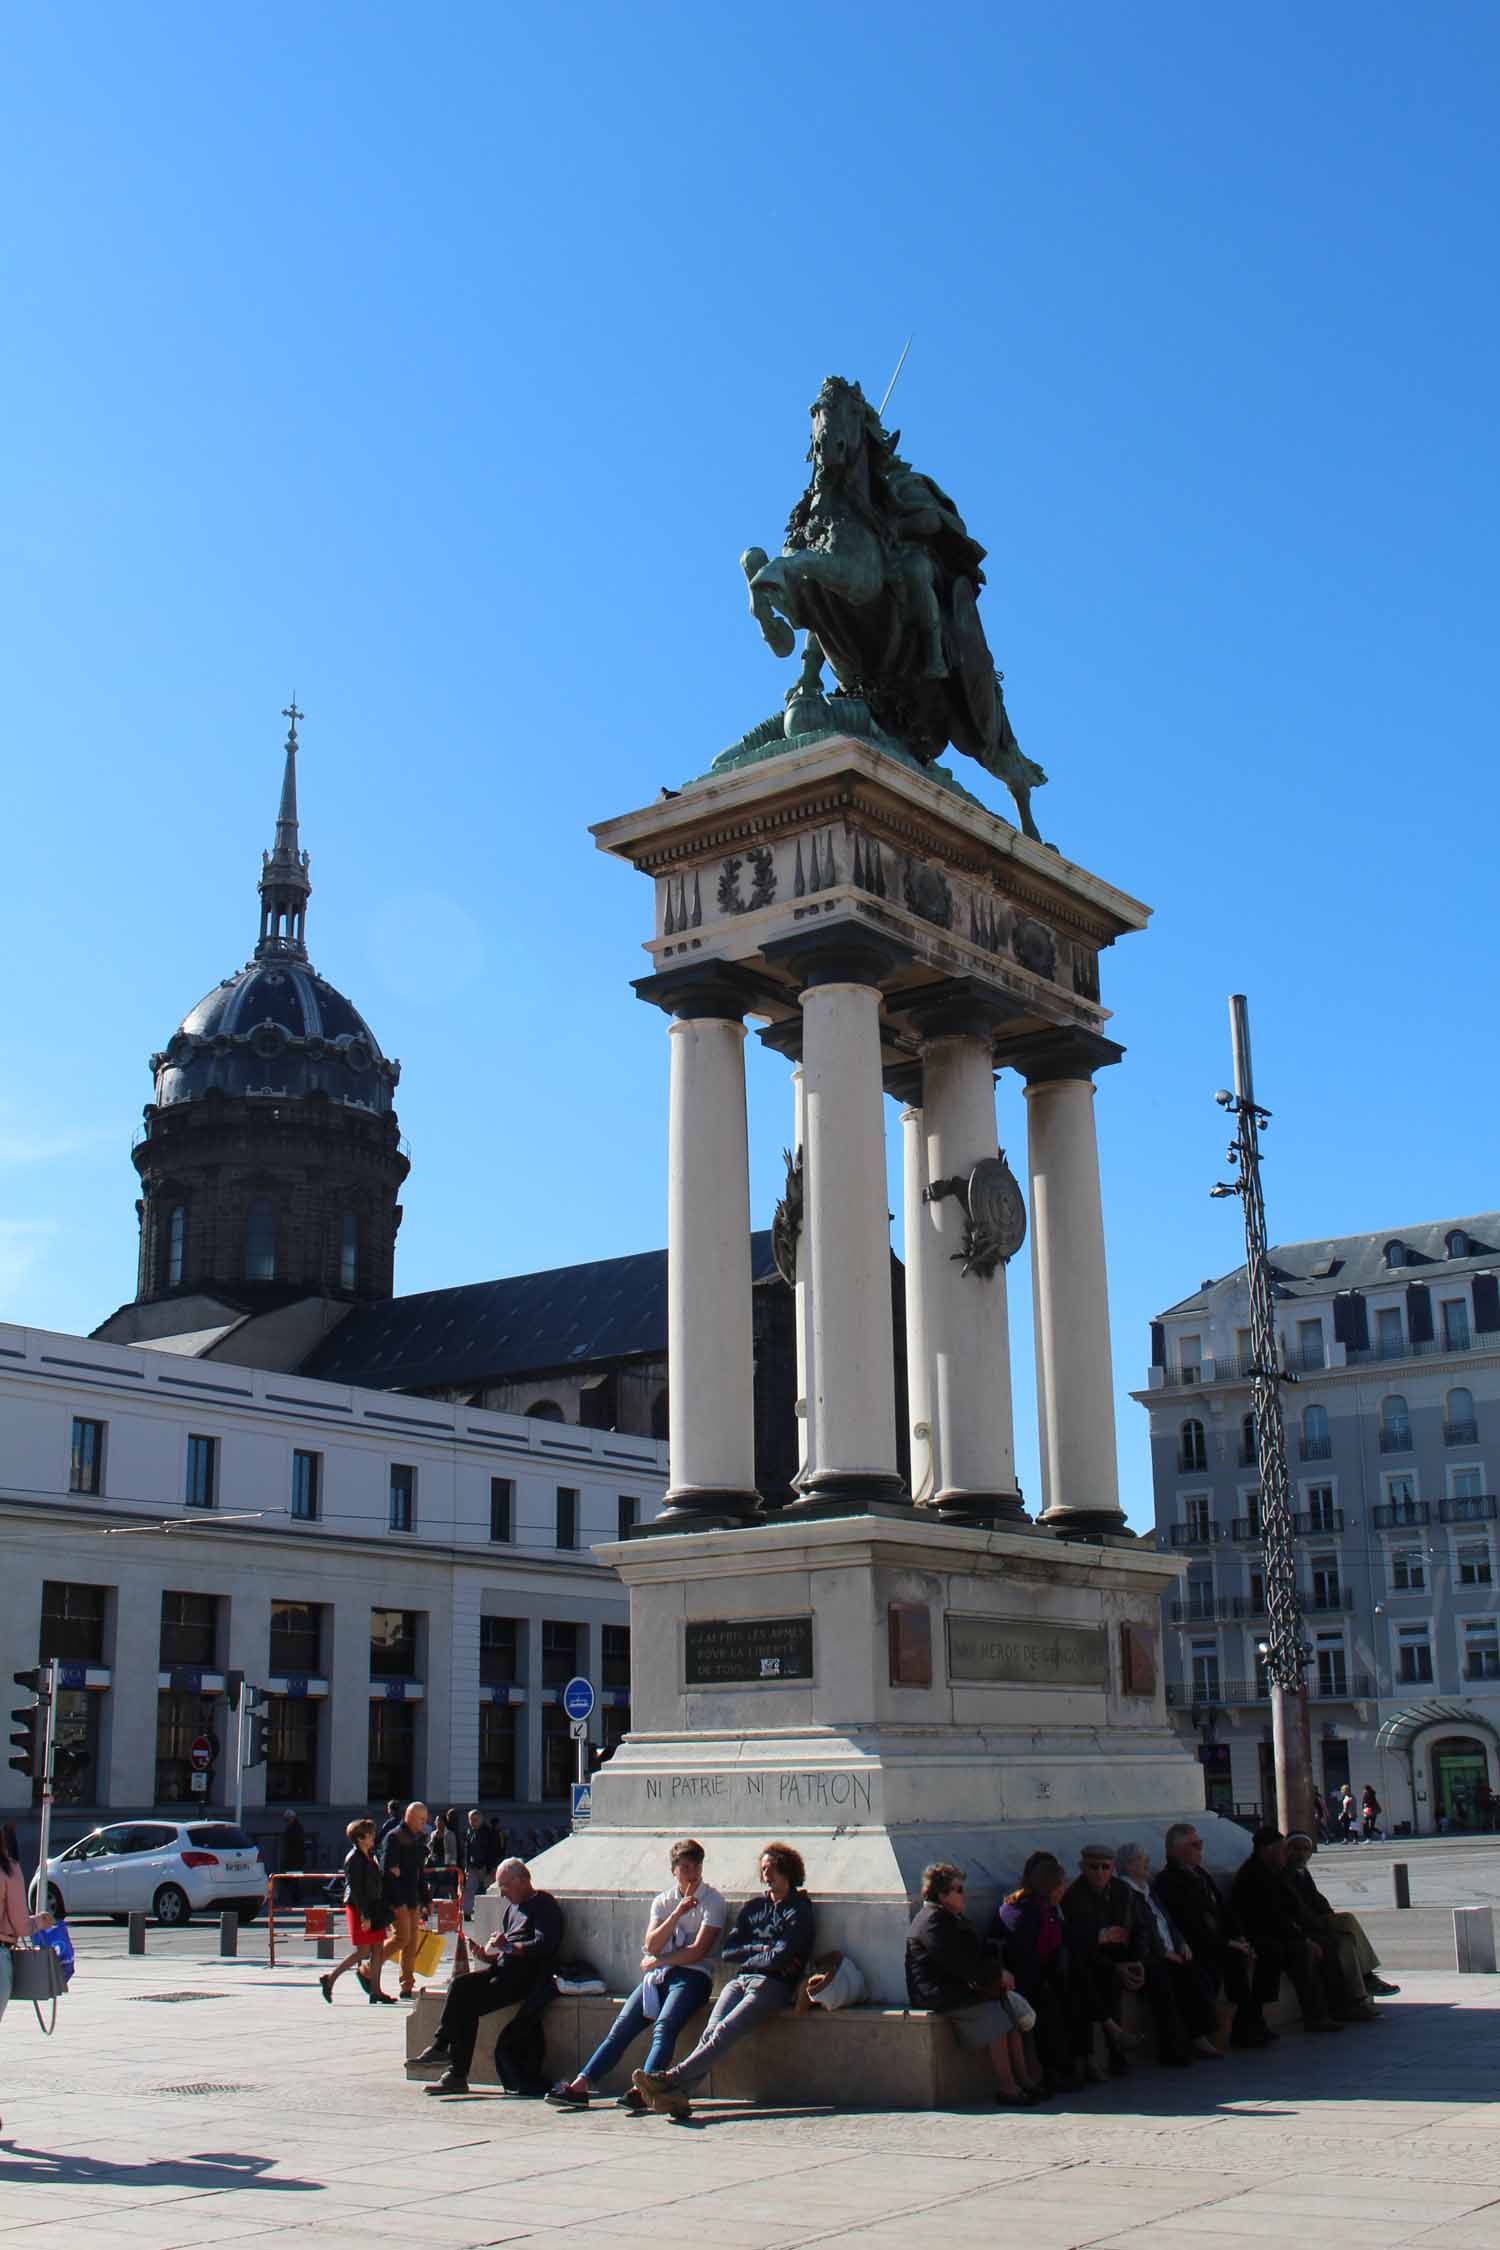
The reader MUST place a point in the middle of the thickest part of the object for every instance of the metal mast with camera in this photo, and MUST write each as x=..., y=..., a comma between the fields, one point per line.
x=1286, y=1654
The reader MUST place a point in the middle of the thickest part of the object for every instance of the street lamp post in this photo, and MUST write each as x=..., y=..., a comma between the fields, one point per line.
x=1286, y=1652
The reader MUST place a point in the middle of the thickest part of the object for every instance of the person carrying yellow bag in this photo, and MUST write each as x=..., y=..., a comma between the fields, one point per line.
x=408, y=1893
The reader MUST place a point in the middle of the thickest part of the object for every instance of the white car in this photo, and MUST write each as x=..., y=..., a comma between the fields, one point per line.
x=168, y=1868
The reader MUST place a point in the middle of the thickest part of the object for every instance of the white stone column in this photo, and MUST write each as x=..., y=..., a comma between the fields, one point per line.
x=710, y=1343
x=807, y=1439
x=1074, y=1373
x=966, y=1319
x=919, y=1241
x=847, y=1236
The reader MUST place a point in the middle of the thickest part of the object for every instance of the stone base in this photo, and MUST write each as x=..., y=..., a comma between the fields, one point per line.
x=857, y=2058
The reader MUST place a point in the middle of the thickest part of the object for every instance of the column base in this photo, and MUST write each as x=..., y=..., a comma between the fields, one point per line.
x=1094, y=1525
x=699, y=1507
x=848, y=1492
x=983, y=1510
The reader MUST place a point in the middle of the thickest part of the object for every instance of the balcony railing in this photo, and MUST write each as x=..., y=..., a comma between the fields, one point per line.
x=1401, y=1515
x=1405, y=1347
x=1195, y=1534
x=1249, y=1605
x=1315, y=1449
x=1354, y=1687
x=1332, y=1597
x=1395, y=1437
x=1460, y=1433
x=1305, y=1359
x=1244, y=1528
x=1468, y=1507
x=1316, y=1523
x=1203, y=1610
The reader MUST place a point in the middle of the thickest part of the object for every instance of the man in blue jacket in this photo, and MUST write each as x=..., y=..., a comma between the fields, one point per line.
x=770, y=1949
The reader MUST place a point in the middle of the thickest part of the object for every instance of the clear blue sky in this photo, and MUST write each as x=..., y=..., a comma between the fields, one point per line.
x=438, y=363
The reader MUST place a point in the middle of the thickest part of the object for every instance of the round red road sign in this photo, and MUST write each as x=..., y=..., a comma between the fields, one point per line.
x=201, y=1755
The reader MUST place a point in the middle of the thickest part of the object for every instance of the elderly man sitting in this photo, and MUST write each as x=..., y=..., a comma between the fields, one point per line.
x=1340, y=1933
x=518, y=1958
x=1180, y=2008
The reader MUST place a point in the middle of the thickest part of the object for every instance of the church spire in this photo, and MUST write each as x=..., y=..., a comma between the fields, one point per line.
x=284, y=884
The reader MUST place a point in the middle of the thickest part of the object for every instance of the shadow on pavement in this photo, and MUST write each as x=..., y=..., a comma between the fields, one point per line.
x=40, y=2168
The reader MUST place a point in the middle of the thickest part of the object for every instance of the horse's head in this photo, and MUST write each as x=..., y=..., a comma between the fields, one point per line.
x=840, y=420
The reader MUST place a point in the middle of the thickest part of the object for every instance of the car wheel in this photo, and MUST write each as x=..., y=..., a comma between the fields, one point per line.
x=55, y=1905
x=170, y=1906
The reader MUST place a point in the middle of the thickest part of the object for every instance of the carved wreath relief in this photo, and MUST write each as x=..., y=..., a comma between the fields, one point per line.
x=762, y=882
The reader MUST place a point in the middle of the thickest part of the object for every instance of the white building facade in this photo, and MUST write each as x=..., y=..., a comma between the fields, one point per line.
x=1393, y=1443
x=410, y=1581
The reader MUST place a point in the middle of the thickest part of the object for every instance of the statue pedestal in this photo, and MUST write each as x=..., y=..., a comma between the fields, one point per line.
x=880, y=1693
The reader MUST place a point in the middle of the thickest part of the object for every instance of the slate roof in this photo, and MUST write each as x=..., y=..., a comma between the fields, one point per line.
x=275, y=1027
x=615, y=1308
x=1357, y=1261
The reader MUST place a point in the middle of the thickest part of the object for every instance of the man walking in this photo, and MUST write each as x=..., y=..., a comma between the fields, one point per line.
x=403, y=1865
x=521, y=1956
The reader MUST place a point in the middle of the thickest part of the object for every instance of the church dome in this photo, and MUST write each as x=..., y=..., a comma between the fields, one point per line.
x=277, y=1028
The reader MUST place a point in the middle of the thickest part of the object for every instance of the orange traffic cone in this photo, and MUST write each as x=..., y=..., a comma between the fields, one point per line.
x=460, y=1966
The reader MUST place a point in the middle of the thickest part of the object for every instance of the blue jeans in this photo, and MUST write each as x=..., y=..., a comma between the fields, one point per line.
x=684, y=1994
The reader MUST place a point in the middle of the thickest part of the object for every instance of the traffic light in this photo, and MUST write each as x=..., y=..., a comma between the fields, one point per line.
x=258, y=1727
x=29, y=1723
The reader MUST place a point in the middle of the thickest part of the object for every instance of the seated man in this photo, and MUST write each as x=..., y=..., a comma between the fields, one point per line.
x=1180, y=2008
x=770, y=1947
x=521, y=1956
x=1107, y=1954
x=1271, y=1916
x=1341, y=1933
x=957, y=1974
x=1222, y=1955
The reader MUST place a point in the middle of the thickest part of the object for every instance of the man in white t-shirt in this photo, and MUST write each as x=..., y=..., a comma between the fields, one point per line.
x=685, y=1924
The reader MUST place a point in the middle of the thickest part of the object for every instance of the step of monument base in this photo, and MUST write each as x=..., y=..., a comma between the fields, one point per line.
x=856, y=2058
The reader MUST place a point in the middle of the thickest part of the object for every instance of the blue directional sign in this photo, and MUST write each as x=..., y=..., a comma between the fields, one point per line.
x=583, y=1803
x=578, y=1699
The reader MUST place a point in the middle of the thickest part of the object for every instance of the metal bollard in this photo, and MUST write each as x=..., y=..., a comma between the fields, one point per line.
x=136, y=1939
x=229, y=1934
x=1474, y=1940
x=1401, y=1882
x=325, y=1949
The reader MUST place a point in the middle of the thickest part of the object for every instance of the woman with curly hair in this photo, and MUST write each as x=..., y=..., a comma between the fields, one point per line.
x=769, y=1948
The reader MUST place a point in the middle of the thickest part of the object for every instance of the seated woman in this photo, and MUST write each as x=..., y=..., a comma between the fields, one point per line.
x=682, y=1929
x=958, y=1974
x=769, y=1948
x=1030, y=1924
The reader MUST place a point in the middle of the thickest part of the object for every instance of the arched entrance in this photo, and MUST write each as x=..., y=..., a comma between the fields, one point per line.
x=1459, y=1768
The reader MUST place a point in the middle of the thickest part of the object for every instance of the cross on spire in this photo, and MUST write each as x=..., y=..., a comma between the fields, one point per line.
x=291, y=712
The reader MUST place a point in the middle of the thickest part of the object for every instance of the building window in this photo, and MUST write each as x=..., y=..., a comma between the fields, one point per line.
x=176, y=1235
x=1310, y=1343
x=1325, y=1582
x=1321, y=1515
x=1474, y=1562
x=1408, y=1570
x=1413, y=1655
x=1249, y=1457
x=629, y=1514
x=1458, y=1244
x=1332, y=1667
x=180, y=1720
x=497, y=1752
x=291, y=1749
x=393, y=1645
x=402, y=1513
x=297, y=1639
x=260, y=1241
x=1316, y=1443
x=546, y=1410
x=1192, y=1447
x=199, y=1490
x=189, y=1629
x=1459, y=1424
x=1189, y=1359
x=1395, y=1253
x=502, y=1510
x=1482, y=1649
x=559, y=1652
x=86, y=1468
x=1390, y=1333
x=499, y=1648
x=392, y=1763
x=349, y=1251
x=1395, y=1425
x=567, y=1516
x=72, y=1623
x=1455, y=1324
x=1195, y=1522
x=614, y=1657
x=1262, y=1676
x=307, y=1479
x=1257, y=1594
x=1205, y=1671
x=559, y=1757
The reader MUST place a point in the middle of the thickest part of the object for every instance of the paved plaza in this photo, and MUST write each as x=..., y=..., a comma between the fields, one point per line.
x=187, y=2100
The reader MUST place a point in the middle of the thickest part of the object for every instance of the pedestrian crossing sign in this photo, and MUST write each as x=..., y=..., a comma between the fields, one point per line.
x=583, y=1802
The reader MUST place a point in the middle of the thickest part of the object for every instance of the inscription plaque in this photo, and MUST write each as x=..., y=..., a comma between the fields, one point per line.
x=1026, y=1652
x=746, y=1651
x=1138, y=1659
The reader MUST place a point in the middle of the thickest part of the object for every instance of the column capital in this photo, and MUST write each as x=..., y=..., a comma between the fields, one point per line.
x=837, y=953
x=710, y=988
x=1064, y=1052
x=957, y=1008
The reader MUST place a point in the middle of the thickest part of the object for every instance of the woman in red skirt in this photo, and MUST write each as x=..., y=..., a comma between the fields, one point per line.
x=367, y=1914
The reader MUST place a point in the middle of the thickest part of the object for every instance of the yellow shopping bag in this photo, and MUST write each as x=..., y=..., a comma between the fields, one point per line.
x=429, y=1954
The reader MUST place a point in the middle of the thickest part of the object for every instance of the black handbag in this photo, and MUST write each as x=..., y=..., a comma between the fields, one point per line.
x=36, y=1974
